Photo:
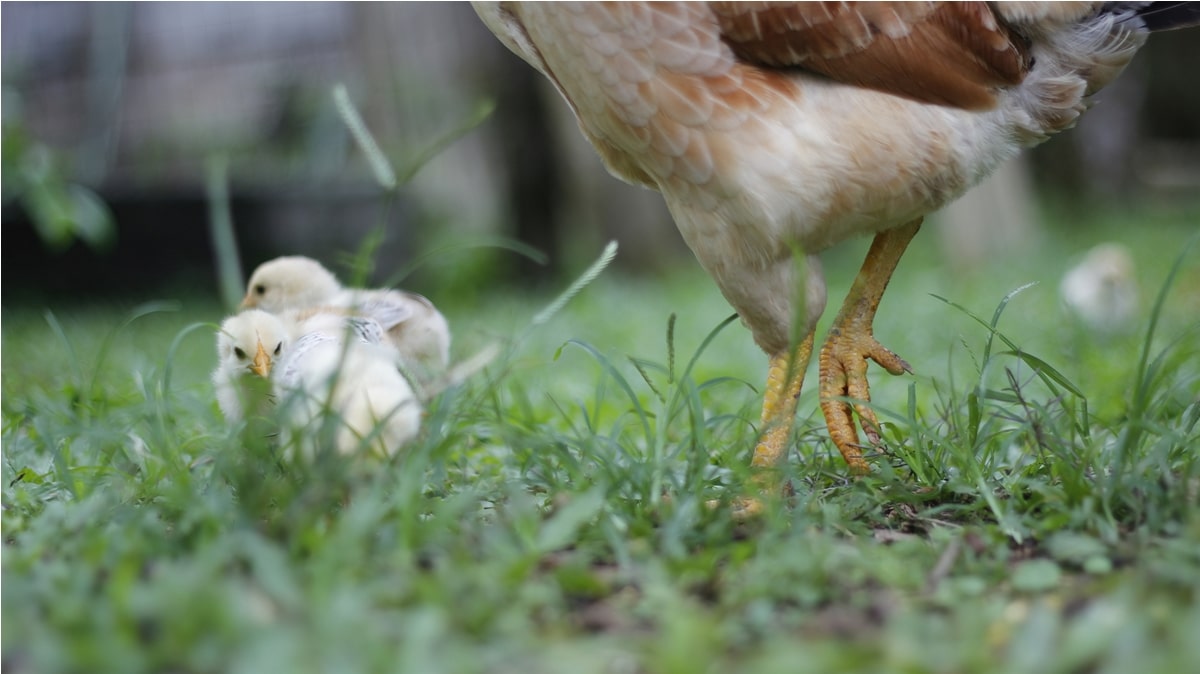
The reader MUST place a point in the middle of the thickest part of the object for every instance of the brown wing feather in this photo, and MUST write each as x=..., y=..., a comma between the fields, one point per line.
x=954, y=53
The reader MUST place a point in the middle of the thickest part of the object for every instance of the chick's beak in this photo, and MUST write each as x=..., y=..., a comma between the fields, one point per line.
x=261, y=365
x=247, y=302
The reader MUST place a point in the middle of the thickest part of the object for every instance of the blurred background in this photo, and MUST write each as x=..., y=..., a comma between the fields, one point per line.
x=124, y=123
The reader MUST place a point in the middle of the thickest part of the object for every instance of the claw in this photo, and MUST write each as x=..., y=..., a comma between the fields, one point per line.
x=844, y=375
x=843, y=359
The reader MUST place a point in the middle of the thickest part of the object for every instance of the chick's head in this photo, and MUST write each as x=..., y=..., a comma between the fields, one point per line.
x=291, y=282
x=250, y=341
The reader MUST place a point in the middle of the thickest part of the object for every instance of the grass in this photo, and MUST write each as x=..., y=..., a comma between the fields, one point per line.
x=1036, y=512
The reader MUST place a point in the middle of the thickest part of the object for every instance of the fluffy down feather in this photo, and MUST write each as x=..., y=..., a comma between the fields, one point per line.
x=344, y=364
x=311, y=363
x=413, y=324
x=246, y=345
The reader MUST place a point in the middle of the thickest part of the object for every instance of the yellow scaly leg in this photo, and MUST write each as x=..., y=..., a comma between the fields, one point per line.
x=843, y=359
x=785, y=374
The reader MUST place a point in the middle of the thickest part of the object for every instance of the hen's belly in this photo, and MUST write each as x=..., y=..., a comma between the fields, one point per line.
x=834, y=163
x=804, y=181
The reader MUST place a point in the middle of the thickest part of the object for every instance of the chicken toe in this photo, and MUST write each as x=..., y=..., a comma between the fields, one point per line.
x=851, y=342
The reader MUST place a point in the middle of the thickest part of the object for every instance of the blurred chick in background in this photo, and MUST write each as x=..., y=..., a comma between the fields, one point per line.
x=1102, y=290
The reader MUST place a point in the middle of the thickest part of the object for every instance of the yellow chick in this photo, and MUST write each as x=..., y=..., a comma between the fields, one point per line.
x=413, y=324
x=246, y=346
x=346, y=365
x=312, y=362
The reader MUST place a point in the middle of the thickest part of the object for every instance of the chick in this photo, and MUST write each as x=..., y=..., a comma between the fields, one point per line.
x=414, y=326
x=344, y=364
x=246, y=346
x=312, y=362
x=1102, y=290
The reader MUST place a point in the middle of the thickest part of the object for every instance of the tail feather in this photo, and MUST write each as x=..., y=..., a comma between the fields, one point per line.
x=1171, y=15
x=1158, y=16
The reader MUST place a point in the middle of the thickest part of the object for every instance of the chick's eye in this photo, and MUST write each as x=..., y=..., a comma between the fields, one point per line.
x=260, y=289
x=278, y=348
x=238, y=352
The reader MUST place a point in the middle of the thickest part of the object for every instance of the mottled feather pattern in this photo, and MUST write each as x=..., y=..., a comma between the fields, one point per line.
x=785, y=34
x=385, y=308
x=366, y=330
x=361, y=330
x=946, y=53
x=661, y=106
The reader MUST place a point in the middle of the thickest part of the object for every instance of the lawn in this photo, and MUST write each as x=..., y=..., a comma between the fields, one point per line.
x=1037, y=510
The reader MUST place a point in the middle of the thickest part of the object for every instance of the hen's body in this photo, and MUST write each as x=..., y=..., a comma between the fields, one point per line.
x=777, y=128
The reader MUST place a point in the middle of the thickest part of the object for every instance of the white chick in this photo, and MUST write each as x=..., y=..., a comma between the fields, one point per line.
x=413, y=325
x=1102, y=290
x=246, y=345
x=345, y=364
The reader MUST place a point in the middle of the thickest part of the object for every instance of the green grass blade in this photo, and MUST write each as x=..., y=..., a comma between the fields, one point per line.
x=1049, y=375
x=439, y=254
x=1132, y=434
x=72, y=357
x=138, y=312
x=671, y=348
x=173, y=350
x=987, y=350
x=220, y=226
x=620, y=380
x=1043, y=368
x=362, y=262
x=562, y=527
x=381, y=168
x=483, y=110
x=589, y=275
x=712, y=334
x=229, y=280
x=641, y=365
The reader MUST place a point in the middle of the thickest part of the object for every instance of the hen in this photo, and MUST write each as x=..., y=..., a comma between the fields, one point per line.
x=776, y=130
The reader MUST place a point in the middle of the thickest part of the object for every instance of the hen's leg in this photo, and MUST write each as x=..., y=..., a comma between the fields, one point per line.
x=785, y=374
x=843, y=360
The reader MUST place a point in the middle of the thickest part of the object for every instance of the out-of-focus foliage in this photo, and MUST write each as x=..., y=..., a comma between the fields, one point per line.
x=61, y=210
